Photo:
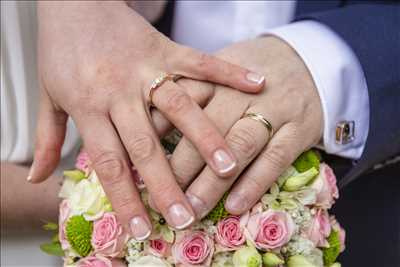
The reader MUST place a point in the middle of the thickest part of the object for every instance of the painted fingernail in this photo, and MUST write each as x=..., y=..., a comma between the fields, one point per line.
x=180, y=216
x=140, y=228
x=223, y=161
x=236, y=202
x=255, y=78
x=29, y=178
x=198, y=205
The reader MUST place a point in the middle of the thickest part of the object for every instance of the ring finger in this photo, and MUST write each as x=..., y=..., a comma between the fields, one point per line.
x=246, y=139
x=275, y=158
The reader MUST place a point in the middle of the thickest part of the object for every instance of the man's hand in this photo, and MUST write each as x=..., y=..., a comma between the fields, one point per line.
x=290, y=103
x=97, y=60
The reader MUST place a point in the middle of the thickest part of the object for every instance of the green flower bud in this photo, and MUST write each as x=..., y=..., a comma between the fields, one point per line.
x=271, y=260
x=79, y=233
x=296, y=182
x=247, y=257
x=299, y=261
x=332, y=252
x=75, y=175
x=306, y=161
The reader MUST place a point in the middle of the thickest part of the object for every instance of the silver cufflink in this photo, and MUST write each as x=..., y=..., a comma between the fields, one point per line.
x=344, y=132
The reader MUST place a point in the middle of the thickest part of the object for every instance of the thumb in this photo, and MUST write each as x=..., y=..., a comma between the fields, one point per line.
x=50, y=134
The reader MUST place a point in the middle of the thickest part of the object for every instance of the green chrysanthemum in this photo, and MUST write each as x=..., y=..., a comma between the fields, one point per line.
x=333, y=251
x=79, y=234
x=218, y=212
x=306, y=161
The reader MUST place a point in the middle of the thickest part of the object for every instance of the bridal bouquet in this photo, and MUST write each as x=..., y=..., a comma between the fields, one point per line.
x=289, y=226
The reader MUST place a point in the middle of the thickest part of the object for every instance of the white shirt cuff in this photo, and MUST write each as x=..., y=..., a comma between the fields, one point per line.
x=339, y=79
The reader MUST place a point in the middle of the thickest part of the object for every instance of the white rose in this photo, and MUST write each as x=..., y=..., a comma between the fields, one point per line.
x=67, y=188
x=149, y=261
x=88, y=198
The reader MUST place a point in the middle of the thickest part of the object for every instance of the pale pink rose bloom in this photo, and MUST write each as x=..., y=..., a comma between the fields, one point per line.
x=63, y=217
x=108, y=237
x=325, y=186
x=193, y=249
x=342, y=233
x=99, y=261
x=229, y=233
x=269, y=229
x=319, y=229
x=83, y=162
x=159, y=247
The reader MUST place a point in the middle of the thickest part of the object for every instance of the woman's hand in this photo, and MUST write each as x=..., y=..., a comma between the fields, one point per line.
x=97, y=60
x=290, y=103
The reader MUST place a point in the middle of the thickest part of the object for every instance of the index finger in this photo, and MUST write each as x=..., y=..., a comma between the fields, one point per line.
x=202, y=66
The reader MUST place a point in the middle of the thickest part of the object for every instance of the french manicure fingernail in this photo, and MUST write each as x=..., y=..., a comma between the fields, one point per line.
x=29, y=178
x=236, y=202
x=180, y=216
x=198, y=205
x=255, y=77
x=223, y=161
x=140, y=228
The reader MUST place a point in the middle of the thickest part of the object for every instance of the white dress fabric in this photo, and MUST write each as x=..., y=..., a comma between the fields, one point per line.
x=19, y=84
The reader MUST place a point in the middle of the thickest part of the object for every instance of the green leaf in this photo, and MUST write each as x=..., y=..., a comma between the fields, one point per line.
x=55, y=238
x=50, y=226
x=75, y=175
x=306, y=161
x=332, y=252
x=52, y=249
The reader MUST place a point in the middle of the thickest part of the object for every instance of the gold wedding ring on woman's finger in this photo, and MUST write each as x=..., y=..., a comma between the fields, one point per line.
x=260, y=118
x=160, y=80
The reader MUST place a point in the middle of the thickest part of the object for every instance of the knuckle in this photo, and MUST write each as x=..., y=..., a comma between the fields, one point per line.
x=109, y=166
x=243, y=141
x=277, y=156
x=177, y=101
x=141, y=147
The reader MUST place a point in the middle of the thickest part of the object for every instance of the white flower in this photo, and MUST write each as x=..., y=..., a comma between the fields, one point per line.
x=67, y=188
x=135, y=250
x=149, y=261
x=223, y=259
x=88, y=198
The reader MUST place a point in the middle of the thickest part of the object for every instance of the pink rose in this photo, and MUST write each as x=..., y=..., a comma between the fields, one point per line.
x=269, y=229
x=193, y=249
x=342, y=233
x=62, y=221
x=107, y=237
x=99, y=261
x=325, y=185
x=229, y=233
x=83, y=162
x=159, y=248
x=319, y=229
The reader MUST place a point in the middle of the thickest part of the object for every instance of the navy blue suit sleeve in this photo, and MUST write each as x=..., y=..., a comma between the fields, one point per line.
x=373, y=32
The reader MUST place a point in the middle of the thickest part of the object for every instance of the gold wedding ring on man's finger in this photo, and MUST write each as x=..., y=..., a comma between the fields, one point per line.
x=160, y=80
x=260, y=118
